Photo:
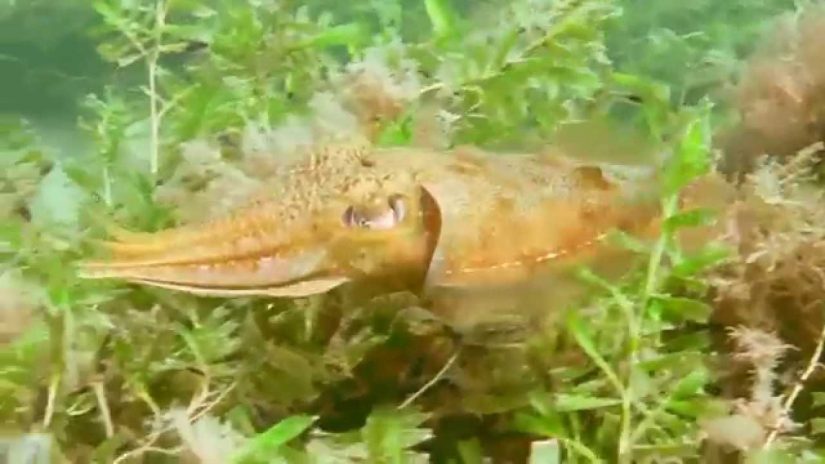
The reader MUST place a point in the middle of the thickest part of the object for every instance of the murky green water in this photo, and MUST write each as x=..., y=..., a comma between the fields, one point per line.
x=49, y=61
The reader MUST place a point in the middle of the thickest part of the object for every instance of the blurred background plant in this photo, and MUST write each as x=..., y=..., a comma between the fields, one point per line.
x=152, y=113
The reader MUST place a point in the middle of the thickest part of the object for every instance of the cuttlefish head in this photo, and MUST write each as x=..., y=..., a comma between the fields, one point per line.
x=335, y=215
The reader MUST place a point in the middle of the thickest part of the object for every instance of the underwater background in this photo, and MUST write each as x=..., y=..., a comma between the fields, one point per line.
x=152, y=113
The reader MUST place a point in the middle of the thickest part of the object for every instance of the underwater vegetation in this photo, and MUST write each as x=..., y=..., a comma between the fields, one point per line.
x=398, y=231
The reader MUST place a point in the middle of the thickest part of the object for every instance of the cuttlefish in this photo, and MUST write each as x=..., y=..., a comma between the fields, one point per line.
x=462, y=225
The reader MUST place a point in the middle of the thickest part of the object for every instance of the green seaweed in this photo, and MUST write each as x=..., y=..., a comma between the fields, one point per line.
x=197, y=92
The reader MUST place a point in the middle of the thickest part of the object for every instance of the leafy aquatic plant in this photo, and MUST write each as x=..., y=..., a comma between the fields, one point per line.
x=209, y=94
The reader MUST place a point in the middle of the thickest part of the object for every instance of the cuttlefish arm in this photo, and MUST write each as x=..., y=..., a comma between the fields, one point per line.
x=227, y=258
x=348, y=213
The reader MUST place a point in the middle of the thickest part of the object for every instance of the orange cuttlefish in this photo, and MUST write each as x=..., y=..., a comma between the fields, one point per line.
x=462, y=224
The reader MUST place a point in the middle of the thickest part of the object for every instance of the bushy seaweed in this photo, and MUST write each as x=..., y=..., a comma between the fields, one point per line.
x=710, y=347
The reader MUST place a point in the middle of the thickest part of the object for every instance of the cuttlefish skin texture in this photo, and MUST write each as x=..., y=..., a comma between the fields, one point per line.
x=432, y=221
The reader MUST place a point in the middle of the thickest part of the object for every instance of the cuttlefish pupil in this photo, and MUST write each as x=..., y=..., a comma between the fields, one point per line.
x=385, y=216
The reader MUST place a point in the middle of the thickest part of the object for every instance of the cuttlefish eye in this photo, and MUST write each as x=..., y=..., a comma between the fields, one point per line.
x=381, y=220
